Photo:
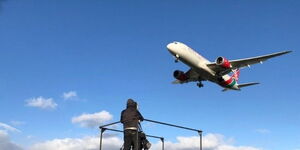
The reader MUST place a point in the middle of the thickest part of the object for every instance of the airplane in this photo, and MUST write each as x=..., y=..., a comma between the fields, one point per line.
x=223, y=72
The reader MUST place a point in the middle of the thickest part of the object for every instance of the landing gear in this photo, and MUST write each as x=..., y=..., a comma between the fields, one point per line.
x=176, y=58
x=200, y=85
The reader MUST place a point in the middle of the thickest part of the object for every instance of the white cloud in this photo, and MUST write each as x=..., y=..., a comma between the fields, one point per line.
x=6, y=127
x=41, y=102
x=86, y=143
x=17, y=123
x=69, y=95
x=263, y=131
x=92, y=120
x=210, y=142
x=5, y=143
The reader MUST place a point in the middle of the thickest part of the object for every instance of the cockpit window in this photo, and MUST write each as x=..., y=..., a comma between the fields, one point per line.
x=175, y=42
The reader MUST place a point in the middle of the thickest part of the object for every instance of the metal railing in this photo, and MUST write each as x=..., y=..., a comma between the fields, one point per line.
x=103, y=129
x=182, y=127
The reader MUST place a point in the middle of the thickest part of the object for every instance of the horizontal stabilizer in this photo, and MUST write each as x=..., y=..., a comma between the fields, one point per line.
x=242, y=85
x=247, y=84
x=177, y=82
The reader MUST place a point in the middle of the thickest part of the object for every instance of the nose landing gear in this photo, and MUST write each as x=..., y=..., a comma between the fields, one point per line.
x=176, y=58
x=199, y=84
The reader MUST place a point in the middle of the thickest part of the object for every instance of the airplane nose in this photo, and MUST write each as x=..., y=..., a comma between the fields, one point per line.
x=169, y=46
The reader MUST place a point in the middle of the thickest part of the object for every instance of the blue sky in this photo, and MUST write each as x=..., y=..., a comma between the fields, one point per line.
x=100, y=53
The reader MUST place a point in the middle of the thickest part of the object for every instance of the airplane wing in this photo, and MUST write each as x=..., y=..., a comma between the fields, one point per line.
x=192, y=76
x=240, y=63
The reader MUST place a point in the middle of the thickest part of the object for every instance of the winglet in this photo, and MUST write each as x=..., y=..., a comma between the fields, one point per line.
x=285, y=52
x=282, y=53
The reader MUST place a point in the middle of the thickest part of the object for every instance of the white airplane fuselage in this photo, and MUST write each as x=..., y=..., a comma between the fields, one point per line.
x=198, y=63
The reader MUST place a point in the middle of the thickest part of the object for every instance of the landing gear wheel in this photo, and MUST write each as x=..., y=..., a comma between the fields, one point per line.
x=176, y=58
x=200, y=85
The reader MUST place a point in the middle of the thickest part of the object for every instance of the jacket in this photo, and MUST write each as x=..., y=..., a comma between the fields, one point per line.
x=130, y=117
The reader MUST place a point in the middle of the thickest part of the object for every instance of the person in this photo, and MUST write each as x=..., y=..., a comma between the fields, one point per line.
x=144, y=143
x=130, y=118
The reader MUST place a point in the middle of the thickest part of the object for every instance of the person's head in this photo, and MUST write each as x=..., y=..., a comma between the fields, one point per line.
x=131, y=103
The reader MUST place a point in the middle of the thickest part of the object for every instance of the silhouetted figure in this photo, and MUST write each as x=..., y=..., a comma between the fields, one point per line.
x=130, y=118
x=144, y=143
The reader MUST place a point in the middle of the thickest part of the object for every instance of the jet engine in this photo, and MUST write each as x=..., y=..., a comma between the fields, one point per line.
x=223, y=62
x=180, y=75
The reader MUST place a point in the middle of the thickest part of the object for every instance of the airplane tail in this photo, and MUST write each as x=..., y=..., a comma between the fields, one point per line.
x=236, y=74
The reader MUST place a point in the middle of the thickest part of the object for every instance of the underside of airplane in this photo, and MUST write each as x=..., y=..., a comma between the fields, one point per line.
x=223, y=72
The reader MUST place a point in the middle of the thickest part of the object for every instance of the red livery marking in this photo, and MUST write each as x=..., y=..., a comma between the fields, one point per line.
x=228, y=81
x=226, y=63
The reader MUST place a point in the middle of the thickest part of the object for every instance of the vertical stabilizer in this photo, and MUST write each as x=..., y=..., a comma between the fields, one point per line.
x=236, y=74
